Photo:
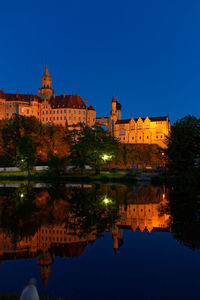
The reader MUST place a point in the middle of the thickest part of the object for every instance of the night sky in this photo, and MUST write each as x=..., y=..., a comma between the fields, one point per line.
x=146, y=51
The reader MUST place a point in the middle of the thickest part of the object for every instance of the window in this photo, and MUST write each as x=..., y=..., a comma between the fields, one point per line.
x=83, y=119
x=147, y=126
x=161, y=136
x=122, y=131
x=54, y=118
x=157, y=137
x=147, y=137
x=54, y=112
x=132, y=137
x=79, y=118
x=139, y=126
x=79, y=112
x=42, y=119
x=46, y=119
x=50, y=119
x=69, y=111
x=27, y=111
x=43, y=112
x=74, y=111
x=64, y=118
x=61, y=111
x=132, y=127
x=65, y=111
x=57, y=111
x=140, y=138
x=84, y=112
x=69, y=118
x=46, y=112
x=74, y=118
x=57, y=118
x=60, y=118
x=50, y=112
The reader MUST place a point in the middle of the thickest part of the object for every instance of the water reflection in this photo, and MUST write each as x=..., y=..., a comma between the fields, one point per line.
x=63, y=220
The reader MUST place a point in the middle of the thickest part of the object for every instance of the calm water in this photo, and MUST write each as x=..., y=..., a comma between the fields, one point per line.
x=101, y=242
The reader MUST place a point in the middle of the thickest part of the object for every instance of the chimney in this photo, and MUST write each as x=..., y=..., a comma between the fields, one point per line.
x=64, y=95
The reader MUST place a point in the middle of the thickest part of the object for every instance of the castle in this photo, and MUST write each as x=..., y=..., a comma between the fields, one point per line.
x=49, y=108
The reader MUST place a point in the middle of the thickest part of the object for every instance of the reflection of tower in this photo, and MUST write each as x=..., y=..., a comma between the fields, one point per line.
x=45, y=260
x=45, y=92
x=118, y=239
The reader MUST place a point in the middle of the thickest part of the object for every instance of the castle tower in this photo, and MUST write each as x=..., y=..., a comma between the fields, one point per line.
x=46, y=91
x=113, y=115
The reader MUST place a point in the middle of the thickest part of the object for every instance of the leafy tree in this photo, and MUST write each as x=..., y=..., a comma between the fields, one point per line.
x=183, y=152
x=56, y=164
x=91, y=146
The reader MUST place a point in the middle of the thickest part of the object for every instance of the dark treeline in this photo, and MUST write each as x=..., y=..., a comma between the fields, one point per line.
x=25, y=142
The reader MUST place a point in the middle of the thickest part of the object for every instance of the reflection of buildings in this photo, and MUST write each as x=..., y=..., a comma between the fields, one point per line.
x=138, y=210
x=47, y=243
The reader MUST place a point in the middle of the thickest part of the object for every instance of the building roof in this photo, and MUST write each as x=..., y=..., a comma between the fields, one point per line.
x=119, y=107
x=91, y=107
x=152, y=119
x=18, y=97
x=67, y=101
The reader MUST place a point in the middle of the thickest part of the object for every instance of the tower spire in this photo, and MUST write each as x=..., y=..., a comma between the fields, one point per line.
x=46, y=71
x=113, y=98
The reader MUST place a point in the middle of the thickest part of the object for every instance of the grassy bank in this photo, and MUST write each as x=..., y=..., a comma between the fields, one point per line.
x=104, y=177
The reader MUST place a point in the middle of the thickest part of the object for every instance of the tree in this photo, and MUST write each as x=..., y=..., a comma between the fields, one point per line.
x=91, y=146
x=183, y=150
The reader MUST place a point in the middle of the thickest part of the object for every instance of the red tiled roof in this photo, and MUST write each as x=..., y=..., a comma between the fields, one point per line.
x=125, y=121
x=152, y=119
x=91, y=107
x=18, y=97
x=69, y=101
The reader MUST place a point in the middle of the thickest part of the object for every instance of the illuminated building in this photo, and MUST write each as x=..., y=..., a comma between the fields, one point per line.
x=149, y=130
x=46, y=106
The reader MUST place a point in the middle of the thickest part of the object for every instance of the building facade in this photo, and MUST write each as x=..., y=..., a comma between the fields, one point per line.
x=149, y=130
x=51, y=109
x=46, y=106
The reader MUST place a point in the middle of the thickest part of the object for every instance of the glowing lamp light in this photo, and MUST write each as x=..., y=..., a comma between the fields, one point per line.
x=106, y=201
x=22, y=195
x=106, y=157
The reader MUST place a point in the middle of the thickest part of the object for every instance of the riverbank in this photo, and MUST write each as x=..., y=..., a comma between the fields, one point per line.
x=16, y=297
x=37, y=176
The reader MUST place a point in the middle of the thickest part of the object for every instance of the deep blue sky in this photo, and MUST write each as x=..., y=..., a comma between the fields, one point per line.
x=147, y=52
